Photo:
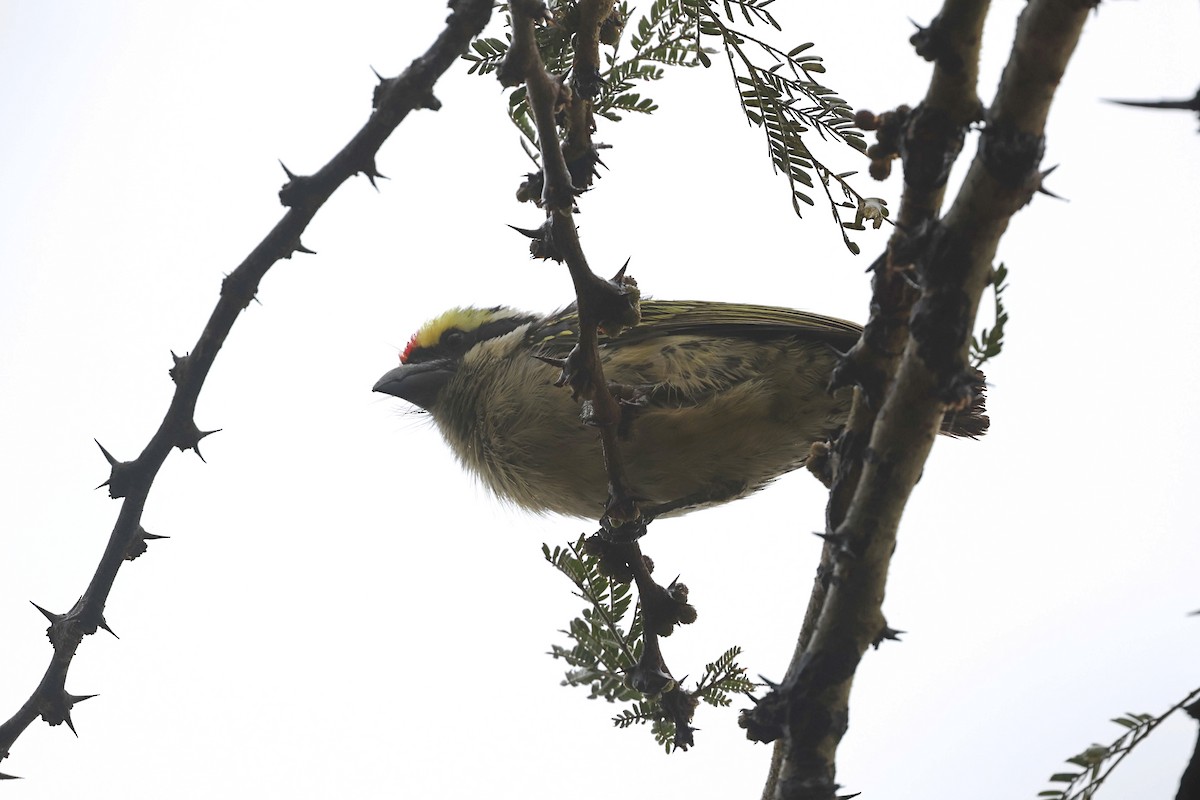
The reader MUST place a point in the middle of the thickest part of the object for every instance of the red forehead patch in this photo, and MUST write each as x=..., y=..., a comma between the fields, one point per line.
x=412, y=345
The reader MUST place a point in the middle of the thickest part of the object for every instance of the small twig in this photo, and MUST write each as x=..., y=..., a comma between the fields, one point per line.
x=662, y=609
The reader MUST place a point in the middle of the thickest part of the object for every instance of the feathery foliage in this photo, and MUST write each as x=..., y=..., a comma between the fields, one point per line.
x=1098, y=761
x=606, y=643
x=990, y=341
x=783, y=95
x=665, y=36
x=787, y=101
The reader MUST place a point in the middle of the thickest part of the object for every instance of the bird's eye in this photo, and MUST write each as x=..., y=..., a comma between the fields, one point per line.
x=453, y=339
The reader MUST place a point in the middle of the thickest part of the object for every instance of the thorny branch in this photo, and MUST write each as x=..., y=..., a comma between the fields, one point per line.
x=1189, y=782
x=911, y=365
x=608, y=305
x=604, y=305
x=132, y=480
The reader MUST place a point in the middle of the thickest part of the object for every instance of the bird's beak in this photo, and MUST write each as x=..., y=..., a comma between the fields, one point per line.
x=419, y=384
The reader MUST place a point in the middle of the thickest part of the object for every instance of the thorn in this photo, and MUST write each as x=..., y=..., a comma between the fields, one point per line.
x=191, y=440
x=179, y=363
x=104, y=626
x=291, y=176
x=561, y=363
x=112, y=462
x=532, y=233
x=1192, y=104
x=50, y=615
x=300, y=248
x=377, y=75
x=887, y=634
x=4, y=777
x=838, y=541
x=372, y=173
x=196, y=446
x=69, y=700
x=1042, y=187
x=770, y=684
x=620, y=276
x=138, y=546
x=121, y=474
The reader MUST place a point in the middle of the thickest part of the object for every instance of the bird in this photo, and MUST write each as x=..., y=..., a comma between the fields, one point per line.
x=725, y=399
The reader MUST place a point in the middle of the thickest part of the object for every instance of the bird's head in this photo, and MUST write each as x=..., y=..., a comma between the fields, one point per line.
x=435, y=352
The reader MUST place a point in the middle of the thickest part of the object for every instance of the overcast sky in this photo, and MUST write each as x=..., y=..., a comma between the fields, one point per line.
x=341, y=611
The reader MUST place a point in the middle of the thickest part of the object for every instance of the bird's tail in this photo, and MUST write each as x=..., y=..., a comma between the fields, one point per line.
x=972, y=421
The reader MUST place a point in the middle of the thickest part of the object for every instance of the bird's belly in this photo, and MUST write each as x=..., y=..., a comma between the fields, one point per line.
x=726, y=448
x=703, y=455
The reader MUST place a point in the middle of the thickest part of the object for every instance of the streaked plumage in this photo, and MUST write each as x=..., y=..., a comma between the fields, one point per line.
x=730, y=398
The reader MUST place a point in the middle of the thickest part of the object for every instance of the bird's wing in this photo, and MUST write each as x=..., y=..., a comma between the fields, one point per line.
x=665, y=317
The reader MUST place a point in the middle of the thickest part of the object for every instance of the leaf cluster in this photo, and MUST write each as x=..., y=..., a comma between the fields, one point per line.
x=664, y=36
x=1083, y=785
x=783, y=95
x=605, y=643
x=990, y=342
x=1098, y=761
x=788, y=101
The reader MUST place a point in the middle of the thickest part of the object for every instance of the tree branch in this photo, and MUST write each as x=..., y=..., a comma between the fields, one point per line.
x=608, y=306
x=951, y=262
x=132, y=480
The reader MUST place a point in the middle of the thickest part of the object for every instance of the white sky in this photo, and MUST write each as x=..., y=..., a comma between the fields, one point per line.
x=340, y=611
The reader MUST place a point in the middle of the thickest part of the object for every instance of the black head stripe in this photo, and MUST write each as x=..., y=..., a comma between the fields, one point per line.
x=455, y=342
